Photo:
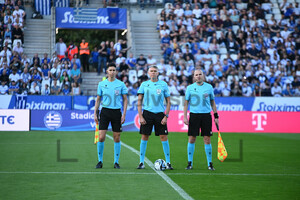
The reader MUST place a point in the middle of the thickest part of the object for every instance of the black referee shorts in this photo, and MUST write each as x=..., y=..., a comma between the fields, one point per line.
x=199, y=121
x=110, y=115
x=153, y=119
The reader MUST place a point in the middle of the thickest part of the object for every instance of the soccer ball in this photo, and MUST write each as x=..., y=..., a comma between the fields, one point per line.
x=160, y=165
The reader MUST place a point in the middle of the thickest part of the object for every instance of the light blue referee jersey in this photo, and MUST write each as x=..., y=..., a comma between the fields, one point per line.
x=111, y=93
x=154, y=95
x=199, y=97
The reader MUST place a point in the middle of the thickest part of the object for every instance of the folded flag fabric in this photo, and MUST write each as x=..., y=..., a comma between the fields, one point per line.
x=222, y=153
x=96, y=134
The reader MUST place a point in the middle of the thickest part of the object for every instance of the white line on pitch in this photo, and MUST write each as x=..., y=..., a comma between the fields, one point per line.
x=176, y=187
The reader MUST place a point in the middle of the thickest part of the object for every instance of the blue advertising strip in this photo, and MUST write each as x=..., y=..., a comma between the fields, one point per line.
x=234, y=103
x=105, y=18
x=35, y=102
x=72, y=120
x=80, y=102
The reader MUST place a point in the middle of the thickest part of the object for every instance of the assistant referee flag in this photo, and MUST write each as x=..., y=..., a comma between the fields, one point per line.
x=222, y=153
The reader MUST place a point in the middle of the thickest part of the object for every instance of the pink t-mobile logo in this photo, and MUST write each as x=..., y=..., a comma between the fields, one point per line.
x=259, y=120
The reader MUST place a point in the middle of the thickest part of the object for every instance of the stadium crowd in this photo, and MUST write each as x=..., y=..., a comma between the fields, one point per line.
x=245, y=48
x=241, y=47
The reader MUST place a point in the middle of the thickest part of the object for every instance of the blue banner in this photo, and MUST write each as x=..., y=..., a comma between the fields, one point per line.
x=73, y=120
x=35, y=102
x=234, y=103
x=106, y=18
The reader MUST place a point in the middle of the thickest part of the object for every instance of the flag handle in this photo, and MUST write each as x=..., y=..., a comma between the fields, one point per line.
x=217, y=127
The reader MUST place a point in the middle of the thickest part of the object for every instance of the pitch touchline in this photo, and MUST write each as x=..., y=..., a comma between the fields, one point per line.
x=148, y=173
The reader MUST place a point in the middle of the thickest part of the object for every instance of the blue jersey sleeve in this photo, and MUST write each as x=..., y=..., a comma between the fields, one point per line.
x=141, y=89
x=212, y=95
x=187, y=94
x=99, y=91
x=166, y=90
x=124, y=89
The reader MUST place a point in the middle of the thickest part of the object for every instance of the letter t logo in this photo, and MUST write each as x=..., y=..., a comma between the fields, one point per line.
x=258, y=120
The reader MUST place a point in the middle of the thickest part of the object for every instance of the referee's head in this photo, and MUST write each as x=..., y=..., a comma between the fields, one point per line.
x=199, y=76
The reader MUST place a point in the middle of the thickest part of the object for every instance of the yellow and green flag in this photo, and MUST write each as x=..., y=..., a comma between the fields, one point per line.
x=222, y=153
x=96, y=134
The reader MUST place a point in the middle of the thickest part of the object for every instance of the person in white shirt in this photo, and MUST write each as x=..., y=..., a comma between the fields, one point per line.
x=276, y=90
x=178, y=11
x=247, y=90
x=60, y=48
x=3, y=88
x=173, y=89
x=151, y=60
x=197, y=12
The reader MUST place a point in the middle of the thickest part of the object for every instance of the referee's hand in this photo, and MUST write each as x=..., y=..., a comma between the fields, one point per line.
x=186, y=121
x=142, y=120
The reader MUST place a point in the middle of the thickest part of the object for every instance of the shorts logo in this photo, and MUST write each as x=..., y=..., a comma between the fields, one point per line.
x=117, y=92
x=53, y=120
x=158, y=91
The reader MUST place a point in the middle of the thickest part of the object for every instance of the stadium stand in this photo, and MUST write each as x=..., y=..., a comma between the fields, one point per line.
x=245, y=48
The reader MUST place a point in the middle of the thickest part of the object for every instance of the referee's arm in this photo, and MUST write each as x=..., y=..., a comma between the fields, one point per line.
x=139, y=107
x=214, y=107
x=97, y=104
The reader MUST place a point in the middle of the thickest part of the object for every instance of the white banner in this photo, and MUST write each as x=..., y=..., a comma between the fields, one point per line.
x=14, y=120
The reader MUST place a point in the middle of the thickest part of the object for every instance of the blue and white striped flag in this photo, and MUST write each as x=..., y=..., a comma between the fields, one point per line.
x=43, y=6
x=85, y=14
x=62, y=3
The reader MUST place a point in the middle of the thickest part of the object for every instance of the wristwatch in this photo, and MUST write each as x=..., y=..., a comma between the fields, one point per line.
x=167, y=116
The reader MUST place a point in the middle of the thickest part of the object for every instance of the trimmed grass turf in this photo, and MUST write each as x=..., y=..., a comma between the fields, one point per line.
x=268, y=159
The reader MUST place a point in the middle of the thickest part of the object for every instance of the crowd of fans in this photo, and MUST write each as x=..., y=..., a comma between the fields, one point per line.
x=240, y=46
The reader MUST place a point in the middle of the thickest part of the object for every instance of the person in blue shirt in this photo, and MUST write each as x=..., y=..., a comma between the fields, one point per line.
x=110, y=91
x=200, y=97
x=151, y=95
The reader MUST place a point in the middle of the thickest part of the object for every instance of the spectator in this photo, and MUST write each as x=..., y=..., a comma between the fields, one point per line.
x=288, y=92
x=34, y=89
x=24, y=89
x=276, y=90
x=55, y=72
x=13, y=88
x=246, y=90
x=3, y=88
x=95, y=60
x=46, y=90
x=141, y=63
x=75, y=89
x=18, y=48
x=55, y=89
x=65, y=91
x=60, y=48
x=75, y=74
x=71, y=51
x=131, y=61
x=84, y=55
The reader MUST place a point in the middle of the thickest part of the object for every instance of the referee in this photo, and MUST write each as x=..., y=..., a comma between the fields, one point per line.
x=111, y=91
x=201, y=98
x=152, y=94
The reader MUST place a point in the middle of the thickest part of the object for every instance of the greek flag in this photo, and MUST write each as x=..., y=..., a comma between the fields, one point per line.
x=62, y=3
x=53, y=120
x=86, y=14
x=43, y=6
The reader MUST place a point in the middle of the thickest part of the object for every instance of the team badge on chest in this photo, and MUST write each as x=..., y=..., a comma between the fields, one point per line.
x=117, y=92
x=158, y=91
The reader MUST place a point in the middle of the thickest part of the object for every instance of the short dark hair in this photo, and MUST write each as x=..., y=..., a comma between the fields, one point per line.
x=111, y=65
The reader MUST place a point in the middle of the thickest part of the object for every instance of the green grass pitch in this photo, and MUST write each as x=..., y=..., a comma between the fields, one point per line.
x=267, y=168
